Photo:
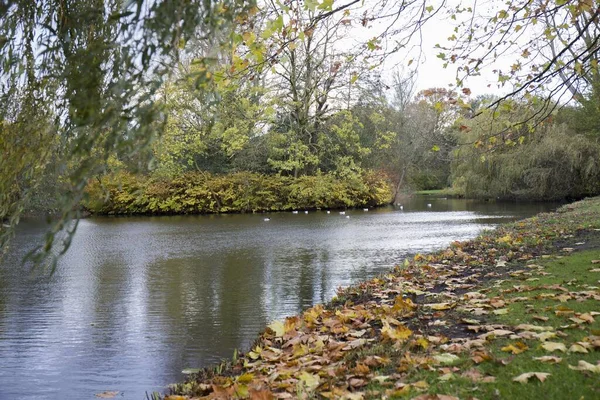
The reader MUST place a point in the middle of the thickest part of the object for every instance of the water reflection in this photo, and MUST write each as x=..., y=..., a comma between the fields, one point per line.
x=136, y=300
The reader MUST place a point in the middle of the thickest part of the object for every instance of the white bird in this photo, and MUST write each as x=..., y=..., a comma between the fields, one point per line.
x=294, y=212
x=347, y=216
x=402, y=207
x=365, y=209
x=342, y=212
x=429, y=205
x=267, y=219
x=328, y=212
x=305, y=212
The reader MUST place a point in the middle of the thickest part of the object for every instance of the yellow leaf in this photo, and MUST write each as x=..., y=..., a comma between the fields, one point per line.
x=554, y=346
x=278, y=328
x=446, y=358
x=310, y=381
x=517, y=348
x=577, y=348
x=399, y=333
x=422, y=342
x=245, y=378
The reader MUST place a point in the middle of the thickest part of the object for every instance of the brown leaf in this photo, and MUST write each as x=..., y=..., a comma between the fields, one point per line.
x=263, y=394
x=357, y=382
x=110, y=394
x=480, y=356
x=549, y=359
x=477, y=376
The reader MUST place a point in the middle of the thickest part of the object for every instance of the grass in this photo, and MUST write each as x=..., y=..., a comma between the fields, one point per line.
x=571, y=272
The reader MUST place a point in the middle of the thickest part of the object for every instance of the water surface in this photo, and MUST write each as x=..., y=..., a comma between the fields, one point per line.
x=138, y=299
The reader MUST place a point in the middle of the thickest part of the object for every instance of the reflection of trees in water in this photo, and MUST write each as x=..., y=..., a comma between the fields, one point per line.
x=211, y=305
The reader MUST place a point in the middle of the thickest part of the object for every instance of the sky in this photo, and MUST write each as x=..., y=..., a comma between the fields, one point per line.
x=429, y=68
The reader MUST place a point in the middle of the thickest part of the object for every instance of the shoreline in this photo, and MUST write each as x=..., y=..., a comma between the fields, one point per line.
x=429, y=327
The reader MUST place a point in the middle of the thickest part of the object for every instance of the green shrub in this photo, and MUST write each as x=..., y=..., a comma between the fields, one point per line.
x=200, y=193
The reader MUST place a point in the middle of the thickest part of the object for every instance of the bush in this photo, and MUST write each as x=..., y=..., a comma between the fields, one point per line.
x=202, y=193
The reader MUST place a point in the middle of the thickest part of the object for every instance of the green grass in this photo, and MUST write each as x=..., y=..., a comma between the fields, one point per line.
x=435, y=192
x=571, y=272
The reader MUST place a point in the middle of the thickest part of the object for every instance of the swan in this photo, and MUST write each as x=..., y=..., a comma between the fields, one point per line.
x=342, y=212
x=429, y=205
x=267, y=219
x=328, y=212
x=365, y=209
x=305, y=212
x=294, y=212
x=347, y=216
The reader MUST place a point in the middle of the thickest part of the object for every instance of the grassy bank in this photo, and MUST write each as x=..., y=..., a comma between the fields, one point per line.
x=203, y=193
x=514, y=313
x=447, y=192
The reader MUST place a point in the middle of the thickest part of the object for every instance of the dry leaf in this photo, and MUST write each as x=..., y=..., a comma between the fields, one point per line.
x=446, y=358
x=111, y=394
x=586, y=366
x=549, y=359
x=554, y=346
x=517, y=348
x=278, y=328
x=577, y=348
x=310, y=381
x=524, y=378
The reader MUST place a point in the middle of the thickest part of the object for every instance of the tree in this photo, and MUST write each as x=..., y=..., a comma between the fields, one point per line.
x=553, y=45
x=98, y=65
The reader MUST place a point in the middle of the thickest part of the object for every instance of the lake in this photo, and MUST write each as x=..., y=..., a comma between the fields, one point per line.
x=138, y=299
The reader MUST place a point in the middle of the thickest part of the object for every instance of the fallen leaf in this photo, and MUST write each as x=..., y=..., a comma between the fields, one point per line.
x=399, y=333
x=554, y=346
x=496, y=333
x=517, y=348
x=447, y=377
x=501, y=311
x=543, y=336
x=446, y=358
x=577, y=348
x=439, y=306
x=310, y=381
x=480, y=356
x=528, y=327
x=586, y=366
x=278, y=328
x=548, y=359
x=523, y=378
x=111, y=394
x=476, y=376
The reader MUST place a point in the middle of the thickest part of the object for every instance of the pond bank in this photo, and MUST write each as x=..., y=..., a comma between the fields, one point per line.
x=510, y=314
